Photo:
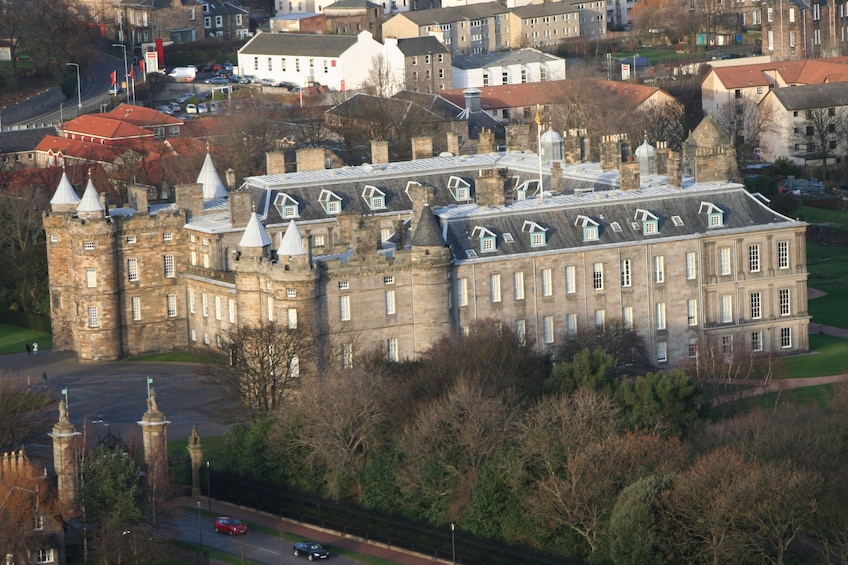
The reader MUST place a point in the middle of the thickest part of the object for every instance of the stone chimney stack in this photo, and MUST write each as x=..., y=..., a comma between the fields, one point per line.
x=189, y=197
x=137, y=196
x=518, y=137
x=611, y=151
x=629, y=178
x=231, y=179
x=422, y=148
x=557, y=180
x=452, y=143
x=379, y=151
x=311, y=159
x=275, y=162
x=486, y=142
x=241, y=206
x=674, y=169
x=662, y=157
x=472, y=100
x=490, y=188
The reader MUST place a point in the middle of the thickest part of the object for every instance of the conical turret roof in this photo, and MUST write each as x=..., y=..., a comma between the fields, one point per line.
x=90, y=199
x=65, y=193
x=254, y=234
x=292, y=243
x=208, y=177
x=427, y=232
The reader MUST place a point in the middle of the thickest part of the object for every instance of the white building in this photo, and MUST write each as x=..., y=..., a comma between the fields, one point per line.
x=506, y=67
x=338, y=61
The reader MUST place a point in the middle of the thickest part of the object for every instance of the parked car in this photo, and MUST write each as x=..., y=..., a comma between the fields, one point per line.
x=227, y=66
x=310, y=550
x=202, y=108
x=213, y=106
x=236, y=79
x=175, y=106
x=115, y=90
x=215, y=67
x=216, y=80
x=165, y=109
x=268, y=82
x=251, y=78
x=228, y=525
x=191, y=108
x=223, y=73
x=183, y=98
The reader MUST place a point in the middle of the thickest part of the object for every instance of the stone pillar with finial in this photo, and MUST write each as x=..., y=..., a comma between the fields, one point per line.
x=65, y=460
x=195, y=452
x=155, y=438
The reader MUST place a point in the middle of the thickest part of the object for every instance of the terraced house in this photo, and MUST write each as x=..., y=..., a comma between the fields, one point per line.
x=397, y=255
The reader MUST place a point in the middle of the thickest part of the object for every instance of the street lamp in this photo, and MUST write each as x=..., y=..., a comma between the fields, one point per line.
x=79, y=91
x=199, y=531
x=126, y=68
x=453, y=543
x=208, y=485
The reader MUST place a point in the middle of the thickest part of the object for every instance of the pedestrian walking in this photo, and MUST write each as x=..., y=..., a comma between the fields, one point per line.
x=29, y=352
x=35, y=348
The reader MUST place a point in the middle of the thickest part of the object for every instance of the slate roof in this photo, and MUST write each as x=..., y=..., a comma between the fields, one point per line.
x=351, y=4
x=157, y=4
x=218, y=8
x=421, y=46
x=427, y=232
x=502, y=58
x=546, y=9
x=438, y=16
x=16, y=141
x=450, y=111
x=813, y=96
x=298, y=44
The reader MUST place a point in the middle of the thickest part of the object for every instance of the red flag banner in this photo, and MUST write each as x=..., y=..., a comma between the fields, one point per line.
x=132, y=74
x=114, y=76
x=141, y=64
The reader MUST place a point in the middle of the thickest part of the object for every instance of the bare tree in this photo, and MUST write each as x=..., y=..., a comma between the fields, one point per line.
x=264, y=363
x=746, y=123
x=22, y=412
x=822, y=134
x=24, y=248
x=382, y=79
x=24, y=495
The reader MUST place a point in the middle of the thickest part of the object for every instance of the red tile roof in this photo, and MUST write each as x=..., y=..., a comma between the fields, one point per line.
x=809, y=71
x=78, y=149
x=141, y=116
x=540, y=93
x=96, y=126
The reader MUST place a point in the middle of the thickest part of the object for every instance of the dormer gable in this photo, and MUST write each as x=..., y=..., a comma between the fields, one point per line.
x=715, y=215
x=649, y=221
x=488, y=239
x=287, y=206
x=538, y=234
x=590, y=227
x=331, y=202
x=460, y=189
x=527, y=188
x=374, y=197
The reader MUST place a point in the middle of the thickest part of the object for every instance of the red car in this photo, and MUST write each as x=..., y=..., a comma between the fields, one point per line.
x=232, y=526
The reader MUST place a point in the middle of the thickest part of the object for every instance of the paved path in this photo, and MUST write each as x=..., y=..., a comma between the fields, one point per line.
x=335, y=539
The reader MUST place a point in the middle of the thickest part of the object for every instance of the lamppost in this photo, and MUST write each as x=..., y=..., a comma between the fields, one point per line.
x=199, y=531
x=453, y=543
x=126, y=68
x=79, y=91
x=208, y=485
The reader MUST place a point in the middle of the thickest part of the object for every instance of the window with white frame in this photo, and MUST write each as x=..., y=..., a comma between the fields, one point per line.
x=459, y=188
x=598, y=276
x=715, y=215
x=590, y=227
x=331, y=202
x=374, y=198
x=488, y=239
x=724, y=265
x=204, y=305
x=93, y=322
x=757, y=341
x=495, y=288
x=344, y=285
x=132, y=239
x=571, y=279
x=782, y=254
x=88, y=245
x=168, y=236
x=518, y=285
x=726, y=308
x=191, y=300
x=520, y=329
x=660, y=311
x=344, y=308
x=136, y=308
x=44, y=556
x=291, y=293
x=54, y=238
x=392, y=349
x=218, y=311
x=193, y=257
x=662, y=351
x=754, y=258
x=659, y=269
x=205, y=260
x=571, y=324
x=389, y=279
x=692, y=347
x=692, y=312
x=548, y=329
x=547, y=283
x=600, y=321
x=538, y=237
x=650, y=222
x=291, y=318
x=727, y=344
x=231, y=303
x=462, y=292
x=39, y=523
x=390, y=302
x=287, y=206
x=91, y=278
x=691, y=266
x=783, y=300
x=626, y=276
x=627, y=317
x=171, y=305
x=756, y=306
x=169, y=267
x=785, y=338
x=347, y=356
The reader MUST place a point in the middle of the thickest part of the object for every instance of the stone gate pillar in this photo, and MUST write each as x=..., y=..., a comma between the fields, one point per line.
x=155, y=438
x=195, y=451
x=65, y=460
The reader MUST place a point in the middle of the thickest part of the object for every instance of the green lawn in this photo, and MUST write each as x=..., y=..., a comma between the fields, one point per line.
x=830, y=358
x=833, y=218
x=179, y=356
x=14, y=339
x=827, y=267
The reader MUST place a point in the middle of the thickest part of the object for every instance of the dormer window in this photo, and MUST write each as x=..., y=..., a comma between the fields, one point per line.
x=650, y=222
x=715, y=215
x=288, y=207
x=206, y=8
x=374, y=197
x=460, y=189
x=538, y=235
x=410, y=184
x=331, y=201
x=677, y=221
x=616, y=227
x=590, y=227
x=527, y=188
x=488, y=239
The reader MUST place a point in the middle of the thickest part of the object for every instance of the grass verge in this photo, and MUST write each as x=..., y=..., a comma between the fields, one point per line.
x=13, y=339
x=830, y=358
x=176, y=356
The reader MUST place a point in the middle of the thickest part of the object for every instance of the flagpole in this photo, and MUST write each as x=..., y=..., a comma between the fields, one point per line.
x=539, y=149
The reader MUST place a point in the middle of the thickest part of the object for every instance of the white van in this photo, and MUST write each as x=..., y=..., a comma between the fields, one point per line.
x=191, y=108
